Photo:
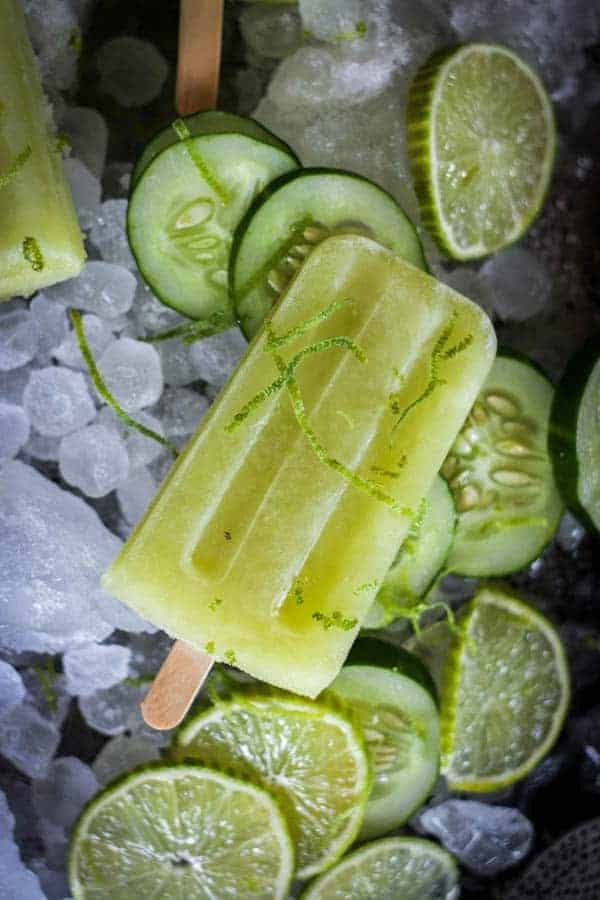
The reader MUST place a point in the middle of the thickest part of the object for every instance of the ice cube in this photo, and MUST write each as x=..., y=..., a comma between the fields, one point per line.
x=123, y=753
x=486, y=839
x=54, y=883
x=132, y=373
x=47, y=691
x=56, y=843
x=15, y=880
x=94, y=460
x=148, y=651
x=518, y=284
x=107, y=233
x=62, y=793
x=54, y=549
x=117, y=180
x=135, y=495
x=28, y=740
x=98, y=334
x=88, y=136
x=12, y=384
x=95, y=667
x=19, y=339
x=180, y=411
x=178, y=363
x=12, y=689
x=42, y=446
x=331, y=20
x=102, y=288
x=116, y=709
x=55, y=35
x=217, y=356
x=141, y=450
x=14, y=429
x=150, y=315
x=52, y=323
x=57, y=401
x=270, y=31
x=132, y=71
x=85, y=190
x=570, y=533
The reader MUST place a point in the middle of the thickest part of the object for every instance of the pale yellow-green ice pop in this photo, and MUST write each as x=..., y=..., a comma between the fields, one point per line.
x=40, y=240
x=269, y=539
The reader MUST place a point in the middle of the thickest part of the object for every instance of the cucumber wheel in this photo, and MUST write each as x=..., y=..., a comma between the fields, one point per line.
x=574, y=434
x=420, y=558
x=500, y=474
x=399, y=719
x=190, y=188
x=294, y=214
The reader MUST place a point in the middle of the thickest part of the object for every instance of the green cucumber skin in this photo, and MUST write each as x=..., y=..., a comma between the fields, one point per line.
x=508, y=353
x=271, y=189
x=562, y=436
x=368, y=651
x=210, y=122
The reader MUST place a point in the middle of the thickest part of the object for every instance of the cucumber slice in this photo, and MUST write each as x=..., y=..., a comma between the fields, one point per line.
x=211, y=122
x=192, y=187
x=574, y=434
x=420, y=558
x=500, y=474
x=368, y=651
x=400, y=722
x=294, y=214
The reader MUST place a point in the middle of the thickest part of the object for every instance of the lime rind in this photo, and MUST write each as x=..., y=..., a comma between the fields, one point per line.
x=296, y=804
x=372, y=864
x=425, y=98
x=509, y=603
x=155, y=840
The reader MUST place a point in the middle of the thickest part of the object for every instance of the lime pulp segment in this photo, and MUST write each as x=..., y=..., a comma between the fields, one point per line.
x=180, y=832
x=481, y=140
x=505, y=693
x=390, y=869
x=312, y=760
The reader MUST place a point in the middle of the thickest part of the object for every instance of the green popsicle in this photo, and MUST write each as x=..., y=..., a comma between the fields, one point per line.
x=268, y=541
x=40, y=240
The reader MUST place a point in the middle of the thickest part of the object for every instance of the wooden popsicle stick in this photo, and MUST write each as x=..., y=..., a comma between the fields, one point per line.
x=199, y=58
x=174, y=688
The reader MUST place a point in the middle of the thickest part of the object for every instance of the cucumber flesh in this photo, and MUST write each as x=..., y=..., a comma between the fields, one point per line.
x=500, y=474
x=183, y=210
x=420, y=558
x=210, y=122
x=575, y=434
x=294, y=214
x=400, y=722
x=368, y=651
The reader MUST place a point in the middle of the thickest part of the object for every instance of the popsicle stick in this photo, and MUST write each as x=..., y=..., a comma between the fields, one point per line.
x=179, y=679
x=199, y=58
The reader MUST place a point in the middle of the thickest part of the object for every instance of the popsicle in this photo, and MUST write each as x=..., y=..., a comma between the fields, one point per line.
x=267, y=543
x=40, y=240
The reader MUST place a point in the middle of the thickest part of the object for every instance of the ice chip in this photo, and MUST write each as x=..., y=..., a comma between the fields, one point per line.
x=54, y=883
x=14, y=429
x=47, y=691
x=107, y=233
x=180, y=411
x=95, y=667
x=150, y=315
x=486, y=839
x=116, y=709
x=178, y=362
x=331, y=20
x=85, y=190
x=88, y=136
x=98, y=335
x=54, y=549
x=132, y=71
x=54, y=32
x=217, y=356
x=62, y=793
x=57, y=401
x=518, y=284
x=135, y=495
x=102, y=288
x=52, y=323
x=123, y=753
x=271, y=32
x=132, y=373
x=94, y=460
x=12, y=689
x=19, y=339
x=28, y=740
x=42, y=446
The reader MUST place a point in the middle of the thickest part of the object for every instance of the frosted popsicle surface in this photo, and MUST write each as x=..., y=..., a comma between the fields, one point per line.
x=268, y=541
x=40, y=239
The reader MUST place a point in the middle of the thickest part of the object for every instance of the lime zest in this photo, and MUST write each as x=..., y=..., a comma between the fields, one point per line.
x=439, y=354
x=100, y=386
x=215, y=603
x=190, y=332
x=391, y=473
x=33, y=254
x=366, y=586
x=15, y=167
x=274, y=341
x=296, y=591
x=181, y=129
x=335, y=620
x=229, y=657
x=360, y=29
x=210, y=647
x=183, y=133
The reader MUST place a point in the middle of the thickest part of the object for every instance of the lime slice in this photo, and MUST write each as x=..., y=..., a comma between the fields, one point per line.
x=400, y=722
x=182, y=831
x=312, y=760
x=505, y=692
x=394, y=868
x=481, y=140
